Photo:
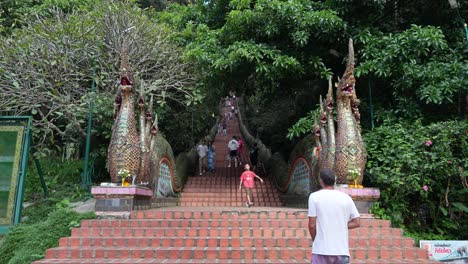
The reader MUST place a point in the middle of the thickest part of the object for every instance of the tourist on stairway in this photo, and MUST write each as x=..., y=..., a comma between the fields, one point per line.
x=211, y=157
x=202, y=150
x=247, y=179
x=233, y=146
x=219, y=126
x=331, y=214
x=231, y=114
x=224, y=126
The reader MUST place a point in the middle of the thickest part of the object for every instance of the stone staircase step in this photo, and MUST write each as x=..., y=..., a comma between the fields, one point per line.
x=221, y=232
x=223, y=194
x=213, y=251
x=183, y=242
x=190, y=241
x=196, y=261
x=231, y=204
x=193, y=232
x=388, y=253
x=181, y=253
x=159, y=261
x=394, y=261
x=267, y=223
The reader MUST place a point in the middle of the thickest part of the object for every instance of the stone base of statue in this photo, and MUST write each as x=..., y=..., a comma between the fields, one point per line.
x=120, y=201
x=364, y=198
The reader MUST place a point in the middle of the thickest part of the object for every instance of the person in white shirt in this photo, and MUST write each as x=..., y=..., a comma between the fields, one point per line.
x=331, y=214
x=233, y=146
x=202, y=150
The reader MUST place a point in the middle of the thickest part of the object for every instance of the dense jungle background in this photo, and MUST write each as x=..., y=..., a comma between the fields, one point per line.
x=411, y=70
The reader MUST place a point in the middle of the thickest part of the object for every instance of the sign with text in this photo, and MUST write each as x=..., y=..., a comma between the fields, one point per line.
x=14, y=147
x=450, y=251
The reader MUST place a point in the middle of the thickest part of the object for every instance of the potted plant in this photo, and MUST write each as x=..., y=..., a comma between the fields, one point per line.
x=123, y=174
x=354, y=173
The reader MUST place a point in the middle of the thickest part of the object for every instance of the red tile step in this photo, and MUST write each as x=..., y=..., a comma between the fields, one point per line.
x=190, y=241
x=227, y=223
x=180, y=253
x=214, y=251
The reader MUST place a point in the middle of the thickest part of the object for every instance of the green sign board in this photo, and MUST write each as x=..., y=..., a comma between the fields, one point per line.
x=14, y=149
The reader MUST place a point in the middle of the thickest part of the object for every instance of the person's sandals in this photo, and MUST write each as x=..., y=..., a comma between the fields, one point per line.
x=247, y=204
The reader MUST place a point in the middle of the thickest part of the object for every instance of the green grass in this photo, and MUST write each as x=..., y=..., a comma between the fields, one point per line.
x=28, y=242
x=49, y=218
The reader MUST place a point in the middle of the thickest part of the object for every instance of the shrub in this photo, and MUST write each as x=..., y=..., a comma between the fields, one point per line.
x=420, y=172
x=28, y=242
x=61, y=177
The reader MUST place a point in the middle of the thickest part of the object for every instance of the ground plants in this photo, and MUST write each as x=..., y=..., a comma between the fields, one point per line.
x=61, y=178
x=28, y=242
x=46, y=218
x=420, y=170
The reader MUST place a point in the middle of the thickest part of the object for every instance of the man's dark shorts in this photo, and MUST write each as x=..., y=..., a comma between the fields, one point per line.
x=233, y=153
x=324, y=259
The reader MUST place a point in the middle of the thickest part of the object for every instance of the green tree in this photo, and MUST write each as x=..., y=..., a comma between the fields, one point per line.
x=417, y=65
x=46, y=68
x=261, y=43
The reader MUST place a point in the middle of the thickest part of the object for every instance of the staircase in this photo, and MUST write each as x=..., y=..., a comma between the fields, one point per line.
x=222, y=235
x=222, y=189
x=213, y=226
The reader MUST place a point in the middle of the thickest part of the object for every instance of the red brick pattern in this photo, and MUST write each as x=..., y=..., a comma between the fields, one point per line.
x=222, y=235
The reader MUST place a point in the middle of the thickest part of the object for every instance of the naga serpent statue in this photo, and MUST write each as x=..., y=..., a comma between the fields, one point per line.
x=128, y=150
x=344, y=151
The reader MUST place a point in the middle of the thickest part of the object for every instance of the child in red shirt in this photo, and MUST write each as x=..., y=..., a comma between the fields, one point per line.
x=248, y=180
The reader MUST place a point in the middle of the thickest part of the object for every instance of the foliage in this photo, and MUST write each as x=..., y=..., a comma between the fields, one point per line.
x=50, y=61
x=417, y=64
x=185, y=126
x=15, y=14
x=28, y=242
x=417, y=236
x=61, y=177
x=48, y=218
x=303, y=126
x=420, y=171
x=260, y=44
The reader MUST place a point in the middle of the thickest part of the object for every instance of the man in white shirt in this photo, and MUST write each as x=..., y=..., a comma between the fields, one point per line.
x=202, y=150
x=331, y=214
x=233, y=146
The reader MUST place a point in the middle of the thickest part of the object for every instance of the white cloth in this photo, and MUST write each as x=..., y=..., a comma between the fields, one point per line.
x=233, y=144
x=202, y=150
x=333, y=209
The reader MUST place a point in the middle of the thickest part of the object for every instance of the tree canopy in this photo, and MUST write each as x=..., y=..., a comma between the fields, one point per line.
x=411, y=69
